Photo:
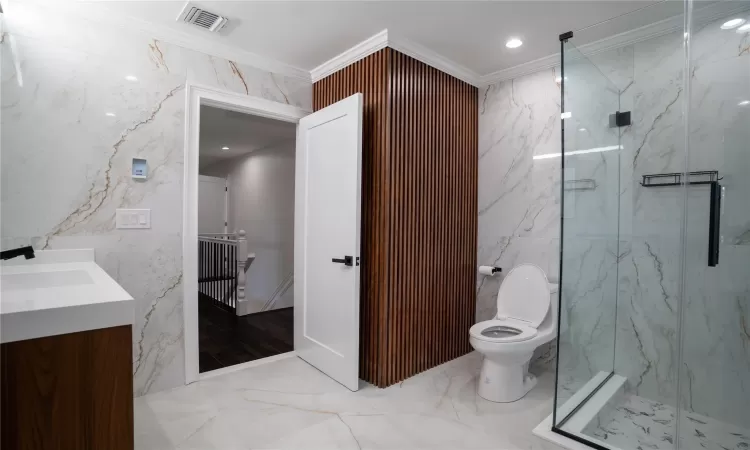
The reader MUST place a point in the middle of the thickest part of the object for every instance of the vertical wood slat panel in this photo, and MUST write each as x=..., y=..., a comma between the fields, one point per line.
x=419, y=212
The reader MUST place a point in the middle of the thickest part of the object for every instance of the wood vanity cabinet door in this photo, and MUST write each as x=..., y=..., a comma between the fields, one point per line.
x=72, y=391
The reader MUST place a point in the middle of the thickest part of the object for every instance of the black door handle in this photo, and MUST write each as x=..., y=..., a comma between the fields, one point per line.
x=346, y=260
x=714, y=226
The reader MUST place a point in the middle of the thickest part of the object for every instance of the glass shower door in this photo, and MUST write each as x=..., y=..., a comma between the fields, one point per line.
x=715, y=362
x=589, y=236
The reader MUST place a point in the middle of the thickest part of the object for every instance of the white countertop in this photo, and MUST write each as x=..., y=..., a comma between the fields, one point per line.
x=59, y=292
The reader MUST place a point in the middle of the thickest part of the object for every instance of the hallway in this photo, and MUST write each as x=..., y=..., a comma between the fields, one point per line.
x=227, y=340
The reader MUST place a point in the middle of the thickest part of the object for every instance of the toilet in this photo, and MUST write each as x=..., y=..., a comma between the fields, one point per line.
x=526, y=318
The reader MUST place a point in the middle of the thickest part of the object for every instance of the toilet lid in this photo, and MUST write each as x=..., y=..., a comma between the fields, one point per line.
x=524, y=295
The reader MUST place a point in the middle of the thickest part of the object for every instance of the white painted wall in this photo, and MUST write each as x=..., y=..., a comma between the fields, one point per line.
x=261, y=202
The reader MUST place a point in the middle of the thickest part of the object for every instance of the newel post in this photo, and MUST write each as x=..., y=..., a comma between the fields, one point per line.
x=241, y=276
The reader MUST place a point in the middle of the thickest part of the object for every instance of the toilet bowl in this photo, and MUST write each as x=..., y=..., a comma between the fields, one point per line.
x=526, y=318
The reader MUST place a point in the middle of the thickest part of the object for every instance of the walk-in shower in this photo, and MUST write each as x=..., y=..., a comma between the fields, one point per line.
x=654, y=336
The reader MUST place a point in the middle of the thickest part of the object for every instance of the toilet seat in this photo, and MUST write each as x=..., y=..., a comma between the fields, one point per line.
x=514, y=331
x=524, y=295
x=523, y=302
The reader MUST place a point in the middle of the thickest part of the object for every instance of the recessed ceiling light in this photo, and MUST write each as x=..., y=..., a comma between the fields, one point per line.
x=131, y=78
x=734, y=23
x=513, y=43
x=744, y=28
x=744, y=103
x=109, y=114
x=581, y=129
x=225, y=148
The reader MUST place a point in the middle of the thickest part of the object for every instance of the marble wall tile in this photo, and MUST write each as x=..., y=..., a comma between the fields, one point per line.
x=518, y=119
x=518, y=199
x=647, y=316
x=71, y=124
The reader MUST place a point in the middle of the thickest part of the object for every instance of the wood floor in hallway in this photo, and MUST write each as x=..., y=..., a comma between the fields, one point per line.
x=226, y=340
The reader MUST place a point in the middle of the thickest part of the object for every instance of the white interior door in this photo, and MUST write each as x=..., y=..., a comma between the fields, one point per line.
x=326, y=240
x=212, y=204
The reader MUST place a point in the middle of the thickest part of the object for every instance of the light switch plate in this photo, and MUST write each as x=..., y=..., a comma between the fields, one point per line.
x=133, y=218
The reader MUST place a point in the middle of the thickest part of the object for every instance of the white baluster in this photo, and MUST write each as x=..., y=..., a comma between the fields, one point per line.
x=242, y=254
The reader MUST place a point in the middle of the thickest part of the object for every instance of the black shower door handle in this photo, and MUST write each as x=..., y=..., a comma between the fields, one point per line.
x=714, y=228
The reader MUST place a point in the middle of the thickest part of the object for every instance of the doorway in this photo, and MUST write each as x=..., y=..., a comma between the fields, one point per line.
x=237, y=244
x=245, y=223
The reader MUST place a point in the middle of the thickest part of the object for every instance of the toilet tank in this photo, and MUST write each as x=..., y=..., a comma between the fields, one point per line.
x=549, y=324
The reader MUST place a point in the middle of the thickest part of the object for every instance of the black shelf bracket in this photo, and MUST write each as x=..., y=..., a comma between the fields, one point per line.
x=678, y=179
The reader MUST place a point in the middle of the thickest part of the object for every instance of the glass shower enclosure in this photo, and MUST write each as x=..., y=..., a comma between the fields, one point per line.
x=654, y=333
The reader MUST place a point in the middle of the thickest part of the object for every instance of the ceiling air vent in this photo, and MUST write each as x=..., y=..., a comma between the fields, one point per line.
x=201, y=18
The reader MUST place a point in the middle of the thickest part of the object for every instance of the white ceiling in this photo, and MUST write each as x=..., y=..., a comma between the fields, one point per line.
x=305, y=34
x=242, y=133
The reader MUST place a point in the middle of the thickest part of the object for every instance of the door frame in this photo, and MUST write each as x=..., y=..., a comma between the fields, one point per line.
x=196, y=95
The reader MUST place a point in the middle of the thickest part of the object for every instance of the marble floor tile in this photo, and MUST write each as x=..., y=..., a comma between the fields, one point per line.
x=288, y=404
x=639, y=423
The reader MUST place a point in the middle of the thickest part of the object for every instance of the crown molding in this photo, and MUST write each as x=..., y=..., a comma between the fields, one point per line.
x=385, y=39
x=520, y=70
x=182, y=39
x=433, y=59
x=351, y=55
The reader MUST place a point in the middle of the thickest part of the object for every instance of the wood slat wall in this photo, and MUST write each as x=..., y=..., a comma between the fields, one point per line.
x=419, y=212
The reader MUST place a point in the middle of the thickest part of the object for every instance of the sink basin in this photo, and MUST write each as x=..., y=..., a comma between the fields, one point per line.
x=59, y=292
x=40, y=280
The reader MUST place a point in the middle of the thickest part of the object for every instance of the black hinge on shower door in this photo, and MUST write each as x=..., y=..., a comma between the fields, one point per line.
x=619, y=119
x=565, y=36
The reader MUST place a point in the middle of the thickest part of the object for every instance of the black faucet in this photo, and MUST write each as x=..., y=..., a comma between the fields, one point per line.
x=27, y=252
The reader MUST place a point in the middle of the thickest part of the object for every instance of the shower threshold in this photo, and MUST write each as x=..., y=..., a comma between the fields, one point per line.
x=582, y=409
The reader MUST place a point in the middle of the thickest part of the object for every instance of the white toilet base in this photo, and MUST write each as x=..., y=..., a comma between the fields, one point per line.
x=503, y=382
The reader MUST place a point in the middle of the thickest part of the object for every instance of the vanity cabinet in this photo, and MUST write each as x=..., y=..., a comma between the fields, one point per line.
x=71, y=391
x=66, y=355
